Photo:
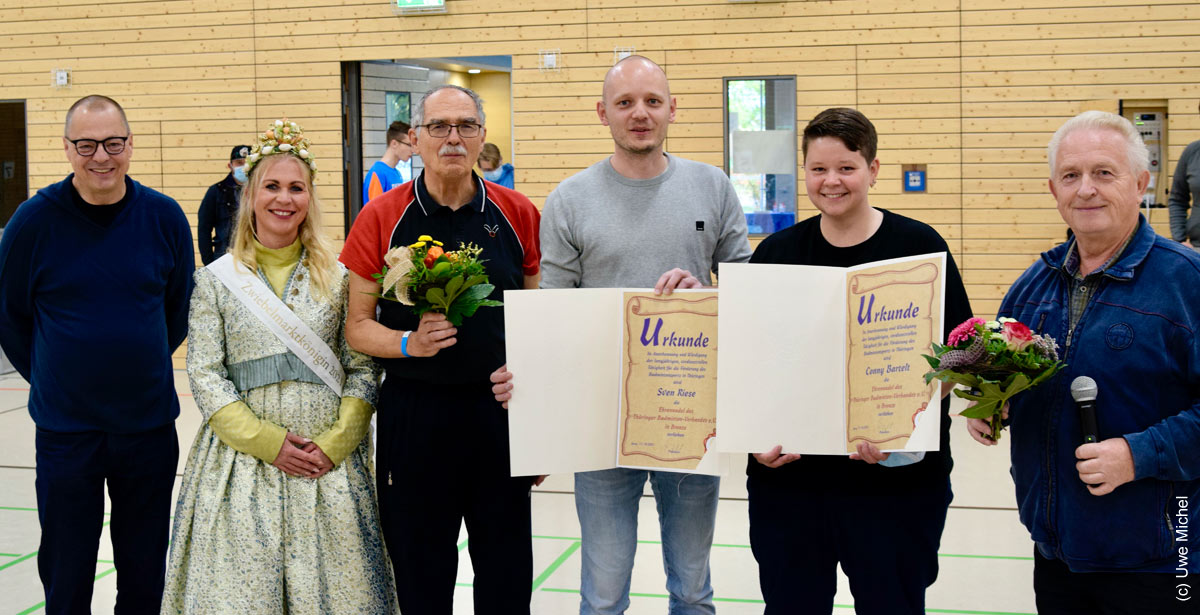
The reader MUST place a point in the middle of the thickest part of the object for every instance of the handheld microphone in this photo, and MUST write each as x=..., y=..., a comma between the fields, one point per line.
x=1083, y=391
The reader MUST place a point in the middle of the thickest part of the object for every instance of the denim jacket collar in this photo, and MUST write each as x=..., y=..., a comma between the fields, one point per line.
x=1126, y=265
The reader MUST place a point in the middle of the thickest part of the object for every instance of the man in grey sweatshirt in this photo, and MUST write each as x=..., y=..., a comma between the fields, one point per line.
x=640, y=218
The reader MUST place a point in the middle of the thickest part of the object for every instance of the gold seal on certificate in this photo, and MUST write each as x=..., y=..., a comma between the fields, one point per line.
x=669, y=379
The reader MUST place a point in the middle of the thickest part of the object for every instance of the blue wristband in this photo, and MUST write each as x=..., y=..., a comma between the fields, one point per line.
x=404, y=344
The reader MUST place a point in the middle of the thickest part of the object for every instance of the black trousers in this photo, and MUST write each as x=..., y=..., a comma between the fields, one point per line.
x=443, y=460
x=72, y=469
x=886, y=543
x=1062, y=592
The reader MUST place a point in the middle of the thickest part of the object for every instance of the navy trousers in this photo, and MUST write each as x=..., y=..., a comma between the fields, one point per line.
x=1062, y=592
x=72, y=469
x=886, y=543
x=442, y=460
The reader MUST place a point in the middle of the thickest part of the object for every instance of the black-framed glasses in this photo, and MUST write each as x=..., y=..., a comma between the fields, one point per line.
x=112, y=145
x=439, y=130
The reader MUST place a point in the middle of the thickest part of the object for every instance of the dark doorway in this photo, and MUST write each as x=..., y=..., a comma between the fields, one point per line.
x=14, y=159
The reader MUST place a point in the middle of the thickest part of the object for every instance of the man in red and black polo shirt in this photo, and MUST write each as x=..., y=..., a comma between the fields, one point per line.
x=442, y=434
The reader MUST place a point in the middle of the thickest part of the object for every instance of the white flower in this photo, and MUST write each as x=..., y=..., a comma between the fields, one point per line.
x=267, y=150
x=313, y=165
x=1004, y=319
x=303, y=153
x=252, y=158
x=991, y=324
x=286, y=147
x=278, y=123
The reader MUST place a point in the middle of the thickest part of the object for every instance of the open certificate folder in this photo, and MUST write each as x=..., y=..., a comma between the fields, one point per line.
x=817, y=359
x=608, y=378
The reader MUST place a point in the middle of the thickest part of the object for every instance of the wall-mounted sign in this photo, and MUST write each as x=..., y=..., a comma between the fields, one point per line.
x=913, y=178
x=409, y=7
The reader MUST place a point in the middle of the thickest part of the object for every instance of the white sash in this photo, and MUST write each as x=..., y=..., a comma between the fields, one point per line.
x=284, y=323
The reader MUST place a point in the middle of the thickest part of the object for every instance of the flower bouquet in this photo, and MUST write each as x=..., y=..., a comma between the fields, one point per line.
x=428, y=278
x=995, y=360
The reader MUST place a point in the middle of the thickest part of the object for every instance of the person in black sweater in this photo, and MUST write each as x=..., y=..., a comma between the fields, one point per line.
x=95, y=276
x=879, y=515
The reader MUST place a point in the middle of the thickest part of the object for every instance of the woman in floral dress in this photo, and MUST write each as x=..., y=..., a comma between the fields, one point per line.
x=277, y=510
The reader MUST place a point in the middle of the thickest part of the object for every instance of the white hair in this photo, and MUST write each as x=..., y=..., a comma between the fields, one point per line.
x=1135, y=148
x=418, y=110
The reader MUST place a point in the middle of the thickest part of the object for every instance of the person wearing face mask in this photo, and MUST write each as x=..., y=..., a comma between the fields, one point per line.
x=493, y=166
x=219, y=208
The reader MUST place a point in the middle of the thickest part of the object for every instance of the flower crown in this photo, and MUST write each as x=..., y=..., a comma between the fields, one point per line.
x=282, y=137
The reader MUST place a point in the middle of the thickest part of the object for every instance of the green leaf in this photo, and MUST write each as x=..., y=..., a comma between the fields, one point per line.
x=440, y=270
x=452, y=288
x=968, y=380
x=455, y=314
x=983, y=410
x=476, y=293
x=436, y=297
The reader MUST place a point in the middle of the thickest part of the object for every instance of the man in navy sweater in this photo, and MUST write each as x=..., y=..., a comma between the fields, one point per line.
x=95, y=275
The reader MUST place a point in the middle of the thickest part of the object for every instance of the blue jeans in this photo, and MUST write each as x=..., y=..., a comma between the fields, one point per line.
x=607, y=503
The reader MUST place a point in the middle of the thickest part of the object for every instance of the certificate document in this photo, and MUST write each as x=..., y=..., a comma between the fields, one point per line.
x=818, y=359
x=608, y=377
x=669, y=379
x=892, y=312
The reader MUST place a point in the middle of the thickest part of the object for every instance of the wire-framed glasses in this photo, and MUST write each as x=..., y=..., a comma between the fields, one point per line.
x=439, y=130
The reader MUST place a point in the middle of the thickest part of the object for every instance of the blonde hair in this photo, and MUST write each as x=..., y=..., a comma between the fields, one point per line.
x=491, y=154
x=322, y=262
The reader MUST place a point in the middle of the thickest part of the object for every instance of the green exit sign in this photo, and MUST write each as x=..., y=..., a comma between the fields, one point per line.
x=406, y=7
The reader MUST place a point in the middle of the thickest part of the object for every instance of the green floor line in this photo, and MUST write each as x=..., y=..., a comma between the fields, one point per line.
x=10, y=555
x=18, y=560
x=555, y=565
x=463, y=545
x=556, y=537
x=717, y=544
x=42, y=604
x=463, y=585
x=18, y=508
x=560, y=590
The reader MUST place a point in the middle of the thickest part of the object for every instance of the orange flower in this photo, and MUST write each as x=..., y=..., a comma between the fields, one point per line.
x=432, y=255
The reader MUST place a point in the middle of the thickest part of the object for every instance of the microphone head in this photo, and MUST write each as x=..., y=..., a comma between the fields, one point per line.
x=1083, y=389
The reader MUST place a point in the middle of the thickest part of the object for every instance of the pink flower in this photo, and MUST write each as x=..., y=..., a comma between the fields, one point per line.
x=964, y=332
x=1016, y=335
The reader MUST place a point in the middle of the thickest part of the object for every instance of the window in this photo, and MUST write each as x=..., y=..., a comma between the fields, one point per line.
x=396, y=106
x=760, y=149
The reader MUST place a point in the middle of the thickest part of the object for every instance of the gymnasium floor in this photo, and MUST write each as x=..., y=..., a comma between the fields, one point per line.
x=986, y=563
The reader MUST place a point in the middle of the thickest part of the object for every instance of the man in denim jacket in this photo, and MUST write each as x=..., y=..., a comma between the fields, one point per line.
x=1110, y=519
